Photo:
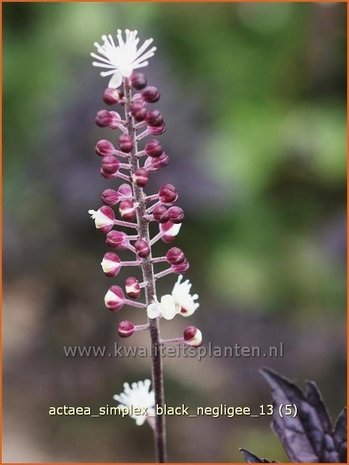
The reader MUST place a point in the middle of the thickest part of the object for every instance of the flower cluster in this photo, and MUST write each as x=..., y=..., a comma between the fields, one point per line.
x=138, y=399
x=127, y=207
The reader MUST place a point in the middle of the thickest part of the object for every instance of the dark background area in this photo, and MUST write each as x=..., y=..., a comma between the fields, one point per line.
x=254, y=100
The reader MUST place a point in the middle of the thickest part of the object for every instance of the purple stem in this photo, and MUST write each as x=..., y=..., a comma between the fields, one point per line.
x=133, y=303
x=150, y=198
x=126, y=224
x=163, y=273
x=141, y=327
x=123, y=176
x=173, y=340
x=159, y=259
x=143, y=134
x=151, y=208
x=150, y=289
x=156, y=238
x=131, y=263
x=120, y=154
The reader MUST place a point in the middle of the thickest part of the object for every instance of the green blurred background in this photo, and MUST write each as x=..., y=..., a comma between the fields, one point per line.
x=254, y=100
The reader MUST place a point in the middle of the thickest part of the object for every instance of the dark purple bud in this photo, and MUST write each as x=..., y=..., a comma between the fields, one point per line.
x=110, y=197
x=112, y=96
x=127, y=209
x=157, y=130
x=151, y=94
x=125, y=190
x=117, y=239
x=176, y=214
x=160, y=214
x=154, y=118
x=142, y=248
x=110, y=164
x=153, y=148
x=192, y=336
x=107, y=175
x=104, y=147
x=132, y=287
x=108, y=119
x=155, y=164
x=137, y=98
x=111, y=264
x=138, y=111
x=138, y=81
x=140, y=177
x=175, y=256
x=181, y=267
x=168, y=194
x=114, y=298
x=126, y=144
x=126, y=328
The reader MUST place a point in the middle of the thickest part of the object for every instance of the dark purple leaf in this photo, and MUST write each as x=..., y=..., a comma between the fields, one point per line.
x=309, y=436
x=251, y=458
x=340, y=435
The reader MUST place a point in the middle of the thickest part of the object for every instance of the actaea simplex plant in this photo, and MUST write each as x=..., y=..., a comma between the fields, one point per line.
x=124, y=159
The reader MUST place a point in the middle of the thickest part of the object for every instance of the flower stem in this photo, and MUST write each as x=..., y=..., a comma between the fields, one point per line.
x=150, y=290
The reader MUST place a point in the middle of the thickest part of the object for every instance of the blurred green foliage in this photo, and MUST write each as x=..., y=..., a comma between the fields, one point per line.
x=269, y=80
x=275, y=117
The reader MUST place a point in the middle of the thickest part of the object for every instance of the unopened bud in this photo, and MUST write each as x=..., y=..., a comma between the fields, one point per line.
x=114, y=298
x=140, y=177
x=132, y=287
x=117, y=239
x=155, y=164
x=142, y=248
x=110, y=197
x=138, y=111
x=160, y=214
x=125, y=191
x=125, y=142
x=138, y=81
x=111, y=264
x=104, y=147
x=157, y=130
x=127, y=209
x=168, y=194
x=181, y=267
x=108, y=175
x=153, y=148
x=112, y=96
x=176, y=214
x=138, y=98
x=151, y=94
x=126, y=328
x=110, y=164
x=192, y=336
x=174, y=256
x=154, y=118
x=108, y=119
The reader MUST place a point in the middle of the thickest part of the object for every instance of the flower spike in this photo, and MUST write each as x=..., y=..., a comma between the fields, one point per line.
x=124, y=156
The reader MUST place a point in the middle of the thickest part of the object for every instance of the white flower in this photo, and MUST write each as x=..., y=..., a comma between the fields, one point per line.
x=104, y=218
x=138, y=400
x=120, y=60
x=179, y=301
x=169, y=229
x=166, y=308
x=182, y=297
